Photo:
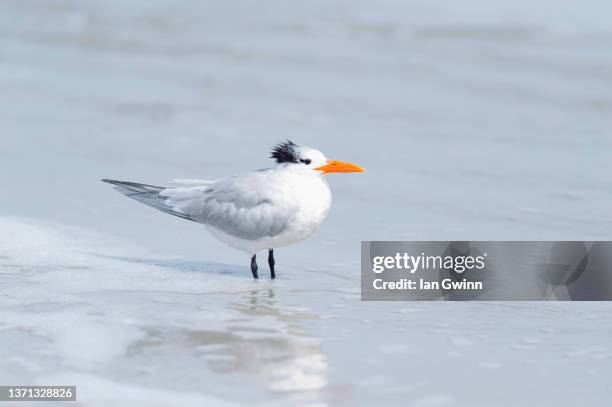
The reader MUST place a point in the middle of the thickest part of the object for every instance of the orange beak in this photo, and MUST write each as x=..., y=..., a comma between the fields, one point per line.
x=339, y=166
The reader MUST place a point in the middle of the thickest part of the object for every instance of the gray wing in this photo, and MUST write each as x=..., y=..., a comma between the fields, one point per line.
x=249, y=207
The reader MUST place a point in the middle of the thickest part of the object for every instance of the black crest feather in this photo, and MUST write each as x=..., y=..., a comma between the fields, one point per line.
x=285, y=152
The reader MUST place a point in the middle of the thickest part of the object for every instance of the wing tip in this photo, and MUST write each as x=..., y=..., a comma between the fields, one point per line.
x=112, y=181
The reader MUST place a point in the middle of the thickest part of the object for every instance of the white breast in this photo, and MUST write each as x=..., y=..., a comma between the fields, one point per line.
x=313, y=197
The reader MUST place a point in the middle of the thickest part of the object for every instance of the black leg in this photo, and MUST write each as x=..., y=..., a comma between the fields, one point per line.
x=254, y=266
x=271, y=263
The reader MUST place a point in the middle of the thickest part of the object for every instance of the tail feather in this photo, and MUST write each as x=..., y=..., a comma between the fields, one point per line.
x=147, y=194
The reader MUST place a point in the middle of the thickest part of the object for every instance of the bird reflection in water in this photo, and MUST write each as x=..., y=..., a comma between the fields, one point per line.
x=272, y=345
x=258, y=337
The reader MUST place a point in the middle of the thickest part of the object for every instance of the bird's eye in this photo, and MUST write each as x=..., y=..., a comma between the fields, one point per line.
x=306, y=161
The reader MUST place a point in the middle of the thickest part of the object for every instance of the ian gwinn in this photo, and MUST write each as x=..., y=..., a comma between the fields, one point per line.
x=421, y=284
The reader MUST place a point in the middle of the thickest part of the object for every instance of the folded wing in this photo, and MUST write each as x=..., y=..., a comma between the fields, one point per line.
x=248, y=207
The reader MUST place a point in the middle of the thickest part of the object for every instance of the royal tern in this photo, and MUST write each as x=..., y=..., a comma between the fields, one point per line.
x=263, y=209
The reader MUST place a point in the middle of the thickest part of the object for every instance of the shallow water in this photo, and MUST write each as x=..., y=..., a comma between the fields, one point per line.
x=474, y=121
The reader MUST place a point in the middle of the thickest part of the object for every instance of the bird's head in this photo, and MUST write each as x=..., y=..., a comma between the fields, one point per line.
x=306, y=158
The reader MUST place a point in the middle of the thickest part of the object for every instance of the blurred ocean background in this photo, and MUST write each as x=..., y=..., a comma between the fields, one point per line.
x=475, y=120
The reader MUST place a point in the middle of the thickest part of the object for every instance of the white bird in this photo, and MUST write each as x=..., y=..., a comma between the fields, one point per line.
x=263, y=209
